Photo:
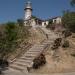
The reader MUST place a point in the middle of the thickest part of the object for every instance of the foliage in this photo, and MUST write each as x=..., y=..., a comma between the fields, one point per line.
x=50, y=21
x=23, y=32
x=11, y=37
x=65, y=44
x=49, y=24
x=39, y=61
x=10, y=31
x=3, y=63
x=8, y=39
x=20, y=22
x=68, y=20
x=72, y=2
x=34, y=17
x=57, y=43
x=66, y=33
x=73, y=54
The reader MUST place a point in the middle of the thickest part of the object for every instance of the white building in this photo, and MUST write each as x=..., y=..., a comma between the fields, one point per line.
x=30, y=20
x=28, y=11
x=45, y=23
x=33, y=21
x=57, y=20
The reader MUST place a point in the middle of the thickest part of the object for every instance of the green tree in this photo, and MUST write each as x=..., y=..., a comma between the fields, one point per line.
x=11, y=32
x=72, y=2
x=20, y=22
x=50, y=24
x=68, y=20
x=8, y=40
x=50, y=21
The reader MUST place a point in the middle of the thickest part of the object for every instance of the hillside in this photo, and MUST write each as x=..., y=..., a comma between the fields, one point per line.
x=60, y=60
x=23, y=39
x=32, y=41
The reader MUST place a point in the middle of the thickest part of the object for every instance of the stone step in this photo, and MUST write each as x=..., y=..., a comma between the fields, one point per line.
x=44, y=43
x=40, y=45
x=17, y=67
x=22, y=63
x=35, y=51
x=25, y=61
x=30, y=55
x=25, y=58
x=32, y=52
x=36, y=48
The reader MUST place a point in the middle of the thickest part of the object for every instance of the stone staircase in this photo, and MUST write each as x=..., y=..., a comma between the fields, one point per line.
x=26, y=60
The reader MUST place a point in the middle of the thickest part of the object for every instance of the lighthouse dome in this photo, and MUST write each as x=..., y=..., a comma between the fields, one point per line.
x=28, y=5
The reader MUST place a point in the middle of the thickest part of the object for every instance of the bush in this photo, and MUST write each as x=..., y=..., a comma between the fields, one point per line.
x=11, y=36
x=68, y=20
x=73, y=54
x=0, y=72
x=8, y=40
x=39, y=61
x=57, y=43
x=3, y=63
x=49, y=24
x=66, y=33
x=65, y=44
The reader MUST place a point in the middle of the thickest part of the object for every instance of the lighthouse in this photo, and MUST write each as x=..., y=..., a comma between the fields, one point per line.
x=28, y=11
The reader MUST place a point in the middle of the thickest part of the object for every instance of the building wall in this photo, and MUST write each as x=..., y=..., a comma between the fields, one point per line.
x=45, y=23
x=33, y=22
x=57, y=20
x=28, y=14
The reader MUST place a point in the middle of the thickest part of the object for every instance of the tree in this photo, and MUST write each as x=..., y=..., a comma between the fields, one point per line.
x=72, y=2
x=20, y=22
x=49, y=24
x=68, y=20
x=50, y=21
x=8, y=40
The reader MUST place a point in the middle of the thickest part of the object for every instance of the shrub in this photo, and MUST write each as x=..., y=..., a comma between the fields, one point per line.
x=3, y=63
x=73, y=54
x=39, y=61
x=11, y=36
x=0, y=72
x=68, y=20
x=66, y=33
x=8, y=40
x=36, y=64
x=65, y=44
x=54, y=47
x=57, y=43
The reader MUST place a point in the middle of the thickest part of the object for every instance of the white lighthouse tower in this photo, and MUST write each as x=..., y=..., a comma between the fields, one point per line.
x=28, y=11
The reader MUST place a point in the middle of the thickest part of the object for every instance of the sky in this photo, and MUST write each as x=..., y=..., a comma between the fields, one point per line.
x=11, y=10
